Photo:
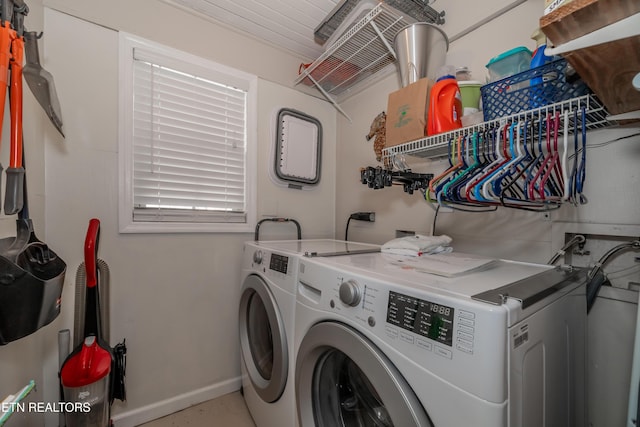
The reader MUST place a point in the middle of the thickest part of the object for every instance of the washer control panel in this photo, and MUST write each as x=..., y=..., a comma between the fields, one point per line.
x=426, y=323
x=350, y=293
x=425, y=318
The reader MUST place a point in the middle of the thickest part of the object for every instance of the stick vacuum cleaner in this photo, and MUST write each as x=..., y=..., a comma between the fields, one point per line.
x=86, y=374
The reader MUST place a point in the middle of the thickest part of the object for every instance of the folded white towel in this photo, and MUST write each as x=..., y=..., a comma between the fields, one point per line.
x=418, y=245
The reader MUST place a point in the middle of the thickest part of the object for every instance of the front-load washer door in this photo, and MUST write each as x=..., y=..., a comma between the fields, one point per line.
x=343, y=379
x=262, y=339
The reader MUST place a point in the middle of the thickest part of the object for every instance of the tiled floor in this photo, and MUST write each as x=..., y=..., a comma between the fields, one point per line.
x=227, y=410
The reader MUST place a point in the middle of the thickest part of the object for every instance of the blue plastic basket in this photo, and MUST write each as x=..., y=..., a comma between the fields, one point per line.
x=529, y=90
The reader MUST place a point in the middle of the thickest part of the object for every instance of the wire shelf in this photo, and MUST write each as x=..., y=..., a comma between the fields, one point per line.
x=438, y=145
x=363, y=50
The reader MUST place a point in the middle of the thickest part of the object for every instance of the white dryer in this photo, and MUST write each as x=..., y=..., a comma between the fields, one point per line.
x=381, y=342
x=266, y=318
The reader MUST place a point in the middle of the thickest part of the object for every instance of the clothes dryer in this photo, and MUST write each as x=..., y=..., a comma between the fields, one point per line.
x=381, y=342
x=266, y=318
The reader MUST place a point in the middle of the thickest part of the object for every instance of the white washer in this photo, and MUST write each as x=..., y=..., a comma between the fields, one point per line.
x=266, y=316
x=380, y=342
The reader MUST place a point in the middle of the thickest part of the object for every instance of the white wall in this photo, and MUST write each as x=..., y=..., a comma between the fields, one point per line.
x=174, y=297
x=158, y=21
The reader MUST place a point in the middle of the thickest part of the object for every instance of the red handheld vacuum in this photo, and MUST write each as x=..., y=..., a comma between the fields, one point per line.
x=86, y=374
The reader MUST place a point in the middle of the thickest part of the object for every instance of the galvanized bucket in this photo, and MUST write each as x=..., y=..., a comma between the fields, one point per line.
x=421, y=50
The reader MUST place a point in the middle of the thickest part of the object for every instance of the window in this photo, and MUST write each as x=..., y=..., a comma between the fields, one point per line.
x=187, y=142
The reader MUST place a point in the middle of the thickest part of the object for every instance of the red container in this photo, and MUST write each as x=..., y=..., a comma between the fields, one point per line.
x=445, y=107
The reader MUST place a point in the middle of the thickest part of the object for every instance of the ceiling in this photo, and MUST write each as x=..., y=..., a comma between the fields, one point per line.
x=288, y=24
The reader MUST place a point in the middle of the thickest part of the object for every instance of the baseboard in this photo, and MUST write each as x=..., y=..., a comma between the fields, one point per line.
x=165, y=407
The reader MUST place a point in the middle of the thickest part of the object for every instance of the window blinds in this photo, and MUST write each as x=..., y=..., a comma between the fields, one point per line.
x=189, y=142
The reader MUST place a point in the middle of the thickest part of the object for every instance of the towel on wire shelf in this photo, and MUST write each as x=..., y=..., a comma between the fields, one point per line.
x=418, y=245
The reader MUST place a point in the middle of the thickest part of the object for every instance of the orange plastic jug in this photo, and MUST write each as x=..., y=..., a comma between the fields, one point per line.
x=445, y=107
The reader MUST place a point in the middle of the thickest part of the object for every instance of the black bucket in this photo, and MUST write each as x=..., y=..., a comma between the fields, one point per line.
x=31, y=280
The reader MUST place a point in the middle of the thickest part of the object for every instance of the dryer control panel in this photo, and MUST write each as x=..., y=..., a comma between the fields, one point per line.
x=279, y=263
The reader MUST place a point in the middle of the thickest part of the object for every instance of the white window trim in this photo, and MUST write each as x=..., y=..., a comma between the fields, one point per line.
x=127, y=43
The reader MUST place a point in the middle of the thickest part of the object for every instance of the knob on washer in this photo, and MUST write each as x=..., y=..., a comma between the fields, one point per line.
x=257, y=257
x=349, y=293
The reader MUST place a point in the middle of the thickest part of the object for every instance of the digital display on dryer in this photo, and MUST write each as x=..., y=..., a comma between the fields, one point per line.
x=279, y=263
x=434, y=321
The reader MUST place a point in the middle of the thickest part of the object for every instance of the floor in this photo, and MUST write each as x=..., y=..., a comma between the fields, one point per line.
x=227, y=410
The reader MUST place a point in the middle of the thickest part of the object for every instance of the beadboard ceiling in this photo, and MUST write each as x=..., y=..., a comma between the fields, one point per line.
x=288, y=24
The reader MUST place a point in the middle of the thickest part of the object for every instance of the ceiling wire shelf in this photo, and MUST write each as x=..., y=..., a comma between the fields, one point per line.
x=438, y=145
x=362, y=51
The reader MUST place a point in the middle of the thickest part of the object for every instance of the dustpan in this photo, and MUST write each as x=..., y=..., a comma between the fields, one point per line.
x=40, y=81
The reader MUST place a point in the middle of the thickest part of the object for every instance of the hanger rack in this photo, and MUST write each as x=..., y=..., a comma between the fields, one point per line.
x=534, y=160
x=438, y=145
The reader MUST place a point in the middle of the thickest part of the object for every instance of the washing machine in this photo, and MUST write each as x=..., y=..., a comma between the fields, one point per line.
x=266, y=317
x=461, y=341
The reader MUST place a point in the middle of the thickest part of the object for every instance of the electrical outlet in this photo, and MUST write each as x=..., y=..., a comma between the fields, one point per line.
x=364, y=216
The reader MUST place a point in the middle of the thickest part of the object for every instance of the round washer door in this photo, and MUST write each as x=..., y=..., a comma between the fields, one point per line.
x=343, y=379
x=262, y=339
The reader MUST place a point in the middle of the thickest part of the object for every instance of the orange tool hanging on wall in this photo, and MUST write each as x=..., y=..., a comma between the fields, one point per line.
x=15, y=173
x=11, y=59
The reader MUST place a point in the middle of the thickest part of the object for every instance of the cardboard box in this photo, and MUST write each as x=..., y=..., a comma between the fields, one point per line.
x=407, y=113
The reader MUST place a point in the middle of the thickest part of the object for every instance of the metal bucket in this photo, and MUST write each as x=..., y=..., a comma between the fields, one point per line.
x=421, y=50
